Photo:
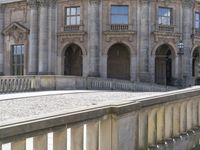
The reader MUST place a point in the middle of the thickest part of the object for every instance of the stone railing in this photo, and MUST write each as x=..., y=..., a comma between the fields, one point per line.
x=119, y=27
x=166, y=28
x=168, y=121
x=73, y=28
x=10, y=84
x=16, y=84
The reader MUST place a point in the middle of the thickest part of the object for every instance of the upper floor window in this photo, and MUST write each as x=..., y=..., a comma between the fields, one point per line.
x=119, y=14
x=165, y=16
x=72, y=16
x=197, y=20
x=17, y=59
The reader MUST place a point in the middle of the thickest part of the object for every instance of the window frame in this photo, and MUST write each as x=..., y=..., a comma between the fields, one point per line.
x=76, y=15
x=168, y=17
x=196, y=12
x=15, y=65
x=111, y=14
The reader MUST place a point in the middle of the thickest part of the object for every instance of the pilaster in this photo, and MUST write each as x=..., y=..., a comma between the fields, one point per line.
x=33, y=43
x=94, y=37
x=1, y=39
x=43, y=37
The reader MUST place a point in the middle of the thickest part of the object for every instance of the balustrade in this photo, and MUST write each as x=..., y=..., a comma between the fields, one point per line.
x=167, y=121
x=119, y=27
x=166, y=28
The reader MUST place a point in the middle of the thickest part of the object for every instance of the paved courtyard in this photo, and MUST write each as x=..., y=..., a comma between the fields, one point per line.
x=25, y=105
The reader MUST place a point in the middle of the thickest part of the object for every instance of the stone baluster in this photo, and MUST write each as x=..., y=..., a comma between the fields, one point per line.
x=109, y=139
x=77, y=137
x=18, y=145
x=0, y=146
x=33, y=43
x=189, y=115
x=176, y=120
x=143, y=130
x=52, y=37
x=195, y=113
x=1, y=39
x=43, y=37
x=168, y=121
x=40, y=142
x=94, y=37
x=152, y=127
x=92, y=135
x=183, y=117
x=60, y=139
x=160, y=123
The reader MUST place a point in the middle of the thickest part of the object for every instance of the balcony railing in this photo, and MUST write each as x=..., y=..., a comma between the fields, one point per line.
x=72, y=28
x=166, y=28
x=119, y=27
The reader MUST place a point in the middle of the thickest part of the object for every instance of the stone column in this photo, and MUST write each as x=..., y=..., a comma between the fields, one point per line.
x=93, y=37
x=33, y=41
x=187, y=31
x=43, y=37
x=144, y=40
x=1, y=39
x=52, y=38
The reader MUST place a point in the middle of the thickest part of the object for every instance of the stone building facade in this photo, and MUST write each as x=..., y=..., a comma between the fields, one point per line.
x=125, y=39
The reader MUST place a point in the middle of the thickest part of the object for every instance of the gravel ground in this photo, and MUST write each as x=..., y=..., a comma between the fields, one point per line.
x=21, y=108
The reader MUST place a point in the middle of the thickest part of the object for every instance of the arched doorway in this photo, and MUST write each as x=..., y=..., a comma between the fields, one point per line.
x=73, y=60
x=118, y=63
x=164, y=64
x=195, y=62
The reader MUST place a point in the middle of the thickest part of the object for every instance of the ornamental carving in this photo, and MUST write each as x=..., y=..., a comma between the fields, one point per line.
x=44, y=3
x=166, y=37
x=32, y=3
x=94, y=2
x=119, y=36
x=16, y=31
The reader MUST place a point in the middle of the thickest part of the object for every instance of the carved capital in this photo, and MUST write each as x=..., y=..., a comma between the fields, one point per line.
x=44, y=3
x=52, y=3
x=188, y=3
x=32, y=3
x=95, y=2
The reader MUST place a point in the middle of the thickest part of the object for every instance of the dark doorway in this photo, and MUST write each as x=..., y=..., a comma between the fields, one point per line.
x=73, y=60
x=163, y=65
x=195, y=61
x=118, y=63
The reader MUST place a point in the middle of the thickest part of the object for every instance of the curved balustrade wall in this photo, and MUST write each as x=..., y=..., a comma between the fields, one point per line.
x=169, y=121
x=10, y=84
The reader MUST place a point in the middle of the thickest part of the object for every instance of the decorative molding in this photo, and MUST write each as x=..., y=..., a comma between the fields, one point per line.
x=166, y=37
x=188, y=3
x=119, y=36
x=16, y=31
x=32, y=3
x=44, y=3
x=52, y=3
x=95, y=2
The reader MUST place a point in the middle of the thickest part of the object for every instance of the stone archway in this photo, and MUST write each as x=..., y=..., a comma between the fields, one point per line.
x=118, y=62
x=164, y=63
x=73, y=60
x=195, y=61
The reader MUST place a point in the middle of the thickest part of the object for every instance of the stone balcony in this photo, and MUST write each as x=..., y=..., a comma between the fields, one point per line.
x=119, y=27
x=73, y=28
x=166, y=28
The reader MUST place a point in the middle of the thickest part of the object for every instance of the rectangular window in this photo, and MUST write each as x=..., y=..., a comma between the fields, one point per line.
x=119, y=14
x=165, y=16
x=17, y=59
x=72, y=16
x=197, y=20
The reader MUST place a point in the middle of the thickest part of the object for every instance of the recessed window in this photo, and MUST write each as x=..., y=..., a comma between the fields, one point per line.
x=17, y=59
x=119, y=14
x=72, y=16
x=165, y=16
x=197, y=20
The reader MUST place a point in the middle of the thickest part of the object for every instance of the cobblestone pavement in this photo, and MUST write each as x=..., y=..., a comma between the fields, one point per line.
x=44, y=103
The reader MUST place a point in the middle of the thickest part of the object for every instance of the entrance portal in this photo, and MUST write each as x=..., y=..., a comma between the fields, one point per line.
x=163, y=65
x=73, y=60
x=118, y=63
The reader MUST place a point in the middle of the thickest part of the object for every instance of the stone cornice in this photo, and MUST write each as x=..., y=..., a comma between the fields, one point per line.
x=52, y=3
x=188, y=3
x=32, y=3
